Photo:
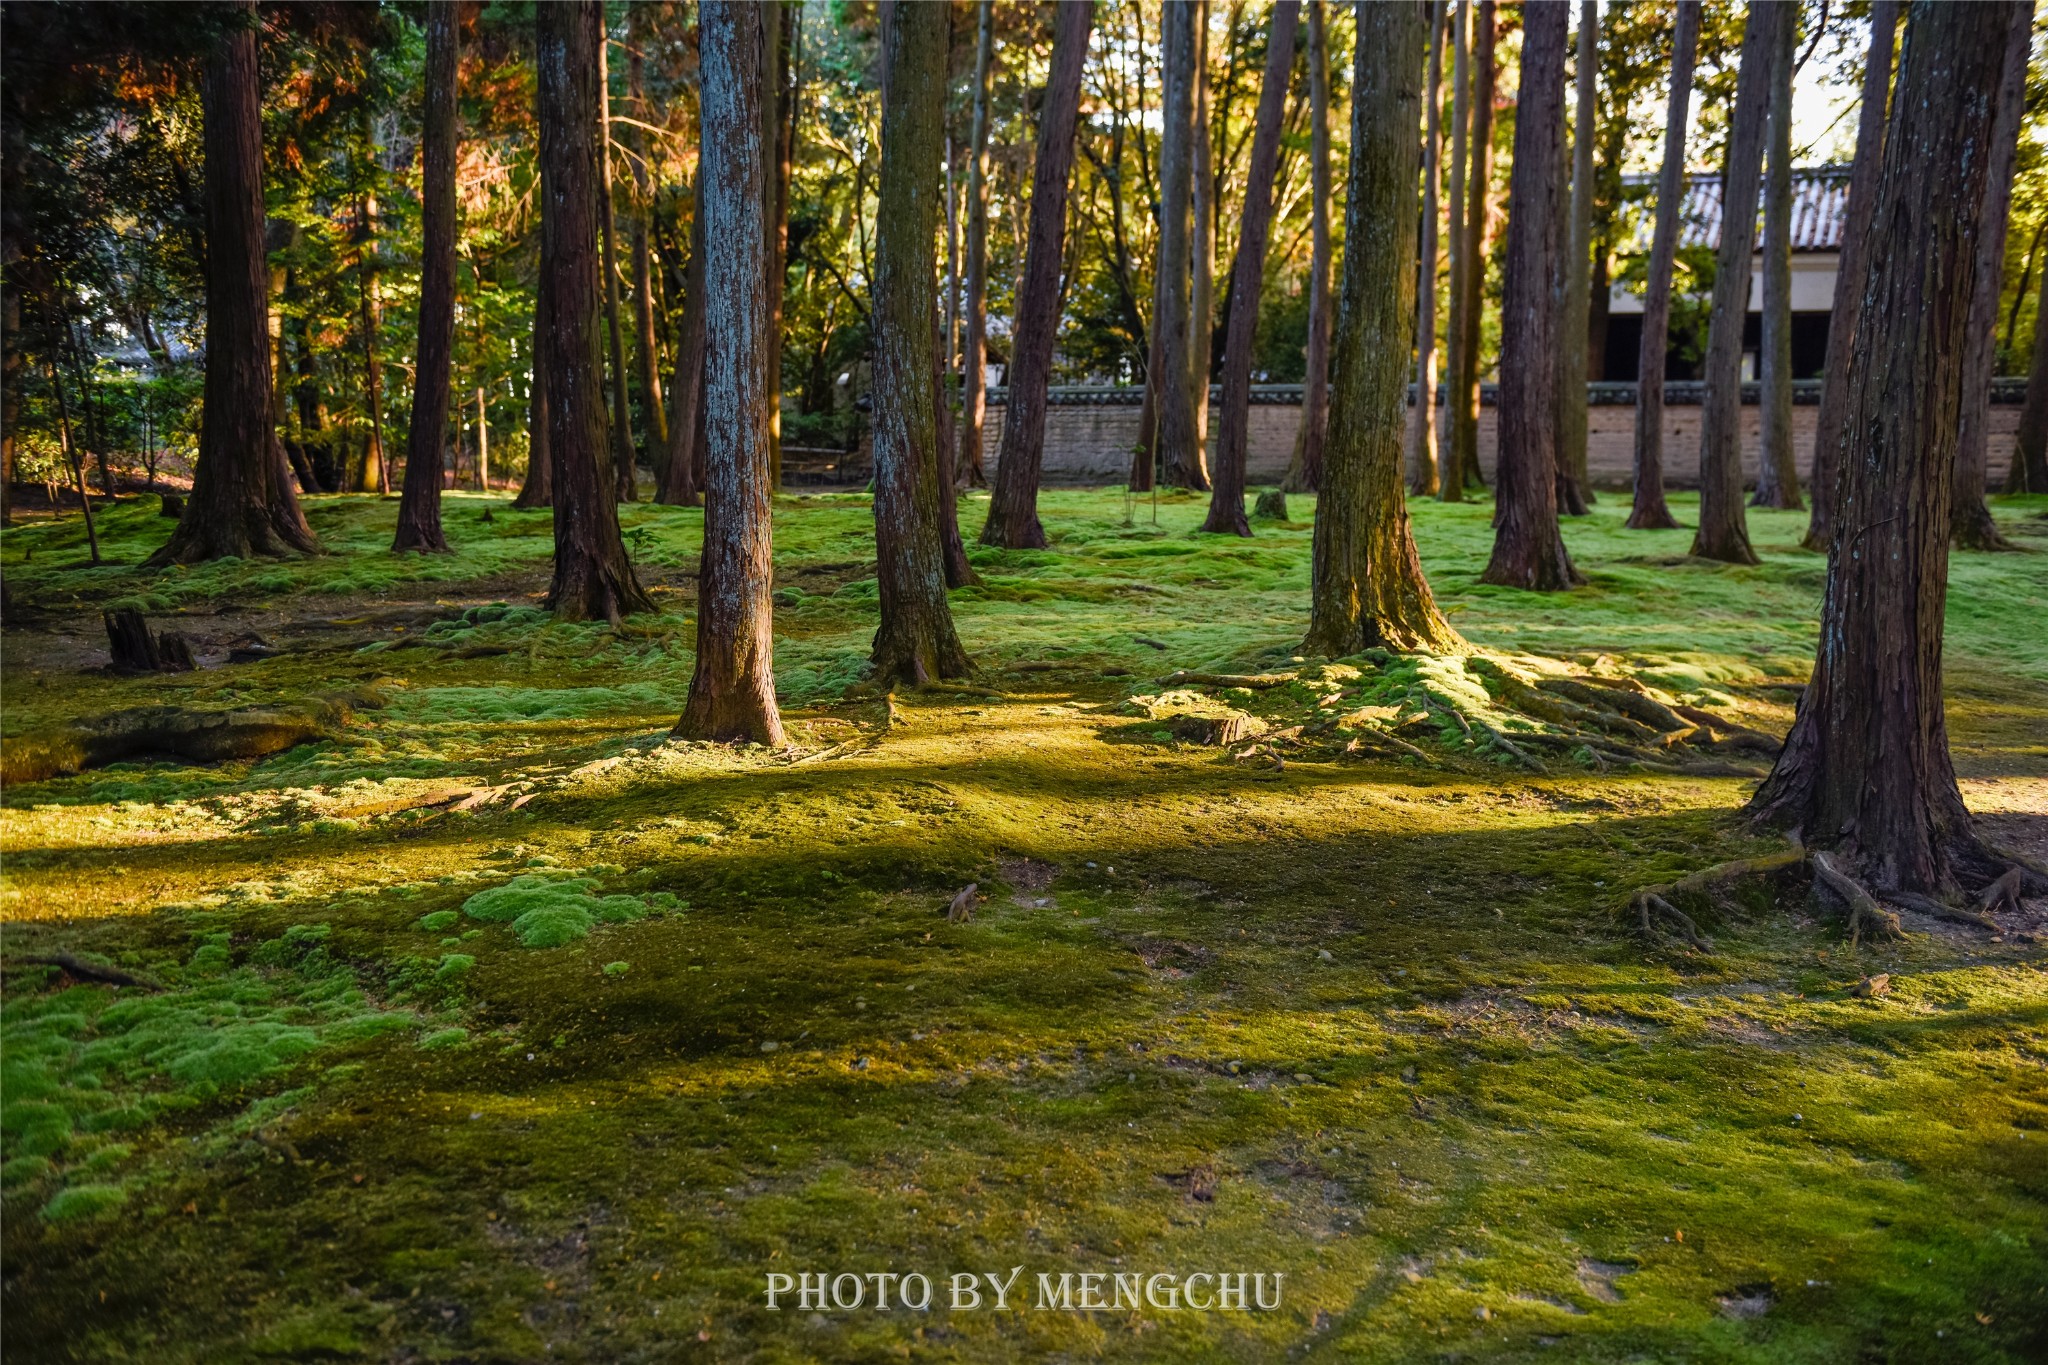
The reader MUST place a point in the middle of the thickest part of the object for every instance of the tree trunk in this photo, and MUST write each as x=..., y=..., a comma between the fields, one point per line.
x=1847, y=310
x=1013, y=507
x=1723, y=532
x=239, y=505
x=1367, y=587
x=646, y=344
x=419, y=504
x=679, y=485
x=1649, y=511
x=625, y=459
x=2030, y=445
x=1179, y=452
x=732, y=693
x=778, y=100
x=1465, y=416
x=1305, y=469
x=1422, y=433
x=974, y=362
x=916, y=642
x=1202, y=247
x=1971, y=524
x=1574, y=491
x=1866, y=770
x=1450, y=487
x=1777, y=471
x=538, y=488
x=1528, y=551
x=375, y=474
x=1247, y=278
x=593, y=579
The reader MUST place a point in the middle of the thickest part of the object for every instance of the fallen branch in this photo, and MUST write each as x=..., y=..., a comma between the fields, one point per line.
x=1507, y=746
x=1863, y=909
x=1254, y=681
x=1391, y=741
x=90, y=971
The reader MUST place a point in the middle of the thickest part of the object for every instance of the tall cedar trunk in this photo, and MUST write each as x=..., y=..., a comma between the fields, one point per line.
x=538, y=488
x=1247, y=278
x=419, y=504
x=1649, y=511
x=1528, y=551
x=679, y=486
x=646, y=346
x=625, y=460
x=1847, y=311
x=1723, y=532
x=1574, y=489
x=1305, y=470
x=682, y=478
x=240, y=505
x=1202, y=246
x=952, y=549
x=1970, y=520
x=1450, y=487
x=1478, y=189
x=778, y=113
x=593, y=578
x=1013, y=507
x=974, y=363
x=732, y=692
x=1777, y=471
x=2030, y=445
x=374, y=475
x=1422, y=432
x=1866, y=769
x=916, y=642
x=1178, y=453
x=1367, y=587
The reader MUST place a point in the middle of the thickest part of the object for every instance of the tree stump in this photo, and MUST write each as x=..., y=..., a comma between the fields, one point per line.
x=1271, y=506
x=136, y=650
x=174, y=506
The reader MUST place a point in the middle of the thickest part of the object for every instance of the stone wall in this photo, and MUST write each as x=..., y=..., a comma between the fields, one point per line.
x=1089, y=433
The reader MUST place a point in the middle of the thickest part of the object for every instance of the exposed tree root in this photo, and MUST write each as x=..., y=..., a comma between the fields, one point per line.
x=1649, y=901
x=1928, y=905
x=196, y=736
x=1507, y=746
x=89, y=971
x=1255, y=681
x=1864, y=911
x=2004, y=893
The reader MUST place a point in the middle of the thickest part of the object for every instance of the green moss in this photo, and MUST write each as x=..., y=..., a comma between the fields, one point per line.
x=444, y=1038
x=84, y=1202
x=545, y=912
x=440, y=920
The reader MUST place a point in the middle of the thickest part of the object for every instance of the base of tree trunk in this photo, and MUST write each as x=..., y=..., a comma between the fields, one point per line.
x=1226, y=520
x=1973, y=528
x=1652, y=516
x=918, y=653
x=1730, y=547
x=744, y=712
x=1012, y=528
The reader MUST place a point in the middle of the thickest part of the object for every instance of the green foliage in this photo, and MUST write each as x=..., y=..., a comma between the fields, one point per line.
x=546, y=912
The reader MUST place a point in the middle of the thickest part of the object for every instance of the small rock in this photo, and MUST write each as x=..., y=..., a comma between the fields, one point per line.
x=860, y=1064
x=1325, y=955
x=769, y=1045
x=1873, y=987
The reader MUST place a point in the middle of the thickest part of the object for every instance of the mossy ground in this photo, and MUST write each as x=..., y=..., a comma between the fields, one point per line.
x=1376, y=1026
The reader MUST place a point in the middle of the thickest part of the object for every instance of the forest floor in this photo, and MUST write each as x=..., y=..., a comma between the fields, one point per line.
x=493, y=1026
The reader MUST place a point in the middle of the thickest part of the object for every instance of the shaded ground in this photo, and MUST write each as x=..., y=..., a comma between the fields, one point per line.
x=1373, y=1022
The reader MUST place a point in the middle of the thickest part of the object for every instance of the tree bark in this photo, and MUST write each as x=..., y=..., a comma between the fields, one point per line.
x=1013, y=507
x=1367, y=584
x=240, y=505
x=419, y=503
x=1649, y=512
x=1777, y=472
x=1202, y=245
x=593, y=579
x=647, y=346
x=625, y=459
x=1450, y=486
x=916, y=642
x=1723, y=532
x=778, y=111
x=375, y=474
x=974, y=362
x=679, y=486
x=1305, y=470
x=1971, y=524
x=1528, y=550
x=1866, y=770
x=1479, y=188
x=1422, y=433
x=538, y=488
x=1247, y=278
x=732, y=693
x=1178, y=453
x=1847, y=310
x=1574, y=487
